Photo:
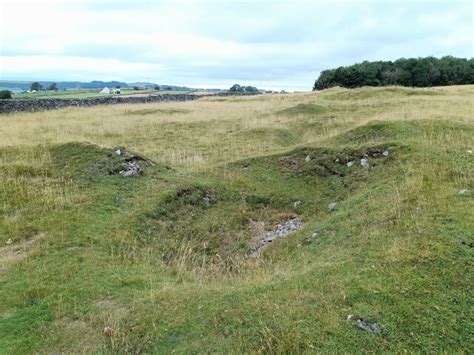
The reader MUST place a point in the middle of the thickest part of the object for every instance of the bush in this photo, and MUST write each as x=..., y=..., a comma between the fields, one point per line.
x=5, y=94
x=157, y=88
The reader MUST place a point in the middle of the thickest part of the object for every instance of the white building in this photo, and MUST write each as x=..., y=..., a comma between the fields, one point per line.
x=105, y=90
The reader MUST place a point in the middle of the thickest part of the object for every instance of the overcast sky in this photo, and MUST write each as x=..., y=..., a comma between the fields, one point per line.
x=269, y=44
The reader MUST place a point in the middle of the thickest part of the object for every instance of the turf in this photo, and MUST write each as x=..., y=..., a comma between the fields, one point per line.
x=94, y=262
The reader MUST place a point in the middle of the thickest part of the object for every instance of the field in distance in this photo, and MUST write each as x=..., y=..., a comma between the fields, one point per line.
x=373, y=185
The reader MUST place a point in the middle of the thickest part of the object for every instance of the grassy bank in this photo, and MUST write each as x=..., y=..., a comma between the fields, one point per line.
x=92, y=261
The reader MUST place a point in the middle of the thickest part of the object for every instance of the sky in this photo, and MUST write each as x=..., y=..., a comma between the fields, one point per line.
x=214, y=44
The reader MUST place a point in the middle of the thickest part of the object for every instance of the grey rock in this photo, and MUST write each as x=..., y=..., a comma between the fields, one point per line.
x=282, y=230
x=296, y=203
x=332, y=206
x=370, y=327
x=463, y=192
x=206, y=200
x=308, y=158
x=364, y=163
x=118, y=152
x=385, y=153
x=314, y=235
x=350, y=163
x=366, y=325
x=133, y=169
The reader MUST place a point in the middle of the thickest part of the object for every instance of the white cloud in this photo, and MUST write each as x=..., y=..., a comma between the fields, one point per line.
x=216, y=43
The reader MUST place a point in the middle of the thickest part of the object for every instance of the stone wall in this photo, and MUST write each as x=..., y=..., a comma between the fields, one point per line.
x=20, y=105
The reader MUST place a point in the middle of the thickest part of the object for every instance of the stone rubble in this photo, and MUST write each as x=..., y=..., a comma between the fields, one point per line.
x=332, y=206
x=133, y=169
x=282, y=230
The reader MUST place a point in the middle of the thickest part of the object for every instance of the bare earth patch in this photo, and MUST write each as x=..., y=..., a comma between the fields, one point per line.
x=11, y=254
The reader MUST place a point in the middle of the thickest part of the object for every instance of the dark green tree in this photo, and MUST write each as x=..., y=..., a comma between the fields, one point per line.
x=52, y=87
x=418, y=72
x=5, y=94
x=36, y=86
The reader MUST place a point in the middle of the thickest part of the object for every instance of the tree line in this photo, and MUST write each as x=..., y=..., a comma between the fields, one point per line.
x=415, y=72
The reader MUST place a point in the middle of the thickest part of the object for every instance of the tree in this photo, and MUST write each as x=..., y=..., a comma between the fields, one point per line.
x=169, y=88
x=417, y=72
x=36, y=86
x=136, y=88
x=235, y=88
x=5, y=94
x=157, y=87
x=53, y=87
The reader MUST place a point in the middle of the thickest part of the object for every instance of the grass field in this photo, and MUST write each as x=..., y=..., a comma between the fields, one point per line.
x=95, y=262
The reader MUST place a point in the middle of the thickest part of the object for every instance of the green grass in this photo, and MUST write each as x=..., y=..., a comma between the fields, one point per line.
x=162, y=262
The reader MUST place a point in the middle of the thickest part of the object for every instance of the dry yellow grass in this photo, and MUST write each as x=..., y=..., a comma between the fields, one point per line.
x=199, y=134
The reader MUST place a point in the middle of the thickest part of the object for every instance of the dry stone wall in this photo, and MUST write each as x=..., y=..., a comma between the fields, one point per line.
x=21, y=105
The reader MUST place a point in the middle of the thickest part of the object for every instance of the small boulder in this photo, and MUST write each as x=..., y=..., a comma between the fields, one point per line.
x=332, y=206
x=296, y=203
x=463, y=192
x=363, y=324
x=385, y=153
x=314, y=235
x=364, y=163
x=308, y=158
x=350, y=163
x=118, y=152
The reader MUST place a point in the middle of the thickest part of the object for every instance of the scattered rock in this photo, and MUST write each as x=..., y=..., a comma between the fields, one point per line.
x=361, y=323
x=206, y=200
x=296, y=203
x=469, y=151
x=133, y=169
x=337, y=160
x=332, y=206
x=385, y=153
x=308, y=158
x=282, y=230
x=350, y=163
x=463, y=192
x=364, y=163
x=314, y=235
x=9, y=241
x=118, y=152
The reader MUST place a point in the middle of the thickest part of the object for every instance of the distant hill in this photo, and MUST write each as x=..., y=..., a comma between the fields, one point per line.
x=71, y=85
